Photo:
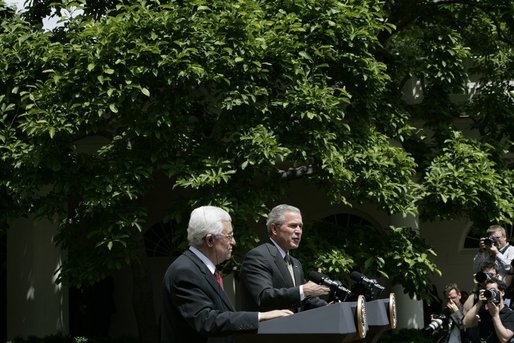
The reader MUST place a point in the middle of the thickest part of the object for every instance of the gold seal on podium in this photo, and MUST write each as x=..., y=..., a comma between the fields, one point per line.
x=362, y=322
x=392, y=311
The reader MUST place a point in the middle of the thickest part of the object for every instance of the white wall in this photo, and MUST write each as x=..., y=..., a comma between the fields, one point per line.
x=455, y=262
x=35, y=304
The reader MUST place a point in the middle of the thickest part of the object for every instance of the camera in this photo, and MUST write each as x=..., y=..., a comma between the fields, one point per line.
x=493, y=295
x=482, y=277
x=490, y=241
x=441, y=321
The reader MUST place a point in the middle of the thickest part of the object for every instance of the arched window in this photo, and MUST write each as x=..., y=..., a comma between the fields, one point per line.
x=346, y=220
x=164, y=240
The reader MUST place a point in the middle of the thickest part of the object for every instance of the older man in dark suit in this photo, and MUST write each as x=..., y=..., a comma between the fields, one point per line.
x=273, y=279
x=196, y=308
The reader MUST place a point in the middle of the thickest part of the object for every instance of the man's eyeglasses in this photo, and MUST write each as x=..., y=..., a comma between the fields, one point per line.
x=229, y=237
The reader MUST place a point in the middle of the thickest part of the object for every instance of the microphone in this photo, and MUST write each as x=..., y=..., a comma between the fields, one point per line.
x=334, y=285
x=369, y=283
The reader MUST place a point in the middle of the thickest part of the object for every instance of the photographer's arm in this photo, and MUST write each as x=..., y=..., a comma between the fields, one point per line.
x=455, y=312
x=468, y=304
x=507, y=279
x=506, y=258
x=504, y=334
x=471, y=316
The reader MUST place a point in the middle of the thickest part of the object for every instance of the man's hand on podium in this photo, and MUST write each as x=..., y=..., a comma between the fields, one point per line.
x=311, y=289
x=274, y=314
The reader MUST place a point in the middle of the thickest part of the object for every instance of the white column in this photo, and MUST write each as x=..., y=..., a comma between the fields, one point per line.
x=35, y=304
x=409, y=311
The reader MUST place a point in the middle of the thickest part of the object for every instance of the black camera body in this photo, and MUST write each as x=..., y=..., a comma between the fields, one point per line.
x=492, y=295
x=490, y=241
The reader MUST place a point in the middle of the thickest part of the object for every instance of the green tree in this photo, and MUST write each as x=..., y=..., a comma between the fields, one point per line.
x=227, y=102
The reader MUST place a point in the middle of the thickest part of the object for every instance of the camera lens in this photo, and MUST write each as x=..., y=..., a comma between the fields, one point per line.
x=490, y=241
x=492, y=295
x=434, y=325
x=481, y=277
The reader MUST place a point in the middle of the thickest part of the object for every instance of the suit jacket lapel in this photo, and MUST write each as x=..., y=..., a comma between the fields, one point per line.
x=210, y=278
x=281, y=265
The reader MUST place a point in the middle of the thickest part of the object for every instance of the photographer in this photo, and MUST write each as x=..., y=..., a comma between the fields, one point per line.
x=494, y=319
x=509, y=292
x=488, y=270
x=447, y=327
x=494, y=248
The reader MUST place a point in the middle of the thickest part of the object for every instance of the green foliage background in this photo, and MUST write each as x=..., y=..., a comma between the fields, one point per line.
x=227, y=102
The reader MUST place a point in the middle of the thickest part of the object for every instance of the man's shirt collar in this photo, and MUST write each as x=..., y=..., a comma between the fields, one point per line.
x=204, y=259
x=280, y=250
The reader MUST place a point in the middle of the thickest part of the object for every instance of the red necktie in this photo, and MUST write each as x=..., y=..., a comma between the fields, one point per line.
x=219, y=279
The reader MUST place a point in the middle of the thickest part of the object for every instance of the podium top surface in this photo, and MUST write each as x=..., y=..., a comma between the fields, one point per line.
x=336, y=318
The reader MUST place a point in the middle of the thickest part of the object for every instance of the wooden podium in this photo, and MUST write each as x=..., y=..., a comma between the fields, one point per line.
x=340, y=322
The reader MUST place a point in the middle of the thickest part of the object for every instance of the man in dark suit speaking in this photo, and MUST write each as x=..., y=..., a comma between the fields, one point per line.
x=195, y=306
x=270, y=277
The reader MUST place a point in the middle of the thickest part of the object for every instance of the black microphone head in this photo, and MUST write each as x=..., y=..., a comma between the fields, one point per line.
x=356, y=276
x=316, y=277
